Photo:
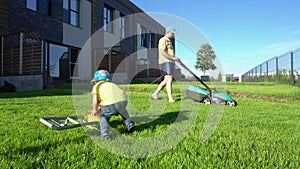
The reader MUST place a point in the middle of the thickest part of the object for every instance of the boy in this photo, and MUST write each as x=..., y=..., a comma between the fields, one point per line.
x=113, y=101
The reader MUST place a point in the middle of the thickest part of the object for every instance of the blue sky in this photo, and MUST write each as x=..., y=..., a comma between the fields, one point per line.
x=243, y=33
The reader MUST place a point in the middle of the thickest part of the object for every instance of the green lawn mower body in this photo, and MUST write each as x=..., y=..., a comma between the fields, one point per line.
x=203, y=95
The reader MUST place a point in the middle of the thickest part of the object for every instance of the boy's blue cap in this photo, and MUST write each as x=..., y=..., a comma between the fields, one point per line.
x=100, y=75
x=170, y=29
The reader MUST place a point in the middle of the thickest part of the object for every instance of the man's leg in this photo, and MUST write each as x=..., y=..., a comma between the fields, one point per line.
x=169, y=87
x=166, y=69
x=159, y=88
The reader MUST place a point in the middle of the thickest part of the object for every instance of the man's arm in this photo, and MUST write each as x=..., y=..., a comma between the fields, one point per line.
x=166, y=55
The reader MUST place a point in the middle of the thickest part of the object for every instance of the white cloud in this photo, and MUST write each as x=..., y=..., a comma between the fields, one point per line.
x=277, y=49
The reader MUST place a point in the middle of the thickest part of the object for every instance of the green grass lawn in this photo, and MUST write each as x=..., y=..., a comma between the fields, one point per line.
x=258, y=133
x=265, y=89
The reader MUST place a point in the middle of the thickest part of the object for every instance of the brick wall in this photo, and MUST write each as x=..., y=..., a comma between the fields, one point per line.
x=26, y=20
x=3, y=17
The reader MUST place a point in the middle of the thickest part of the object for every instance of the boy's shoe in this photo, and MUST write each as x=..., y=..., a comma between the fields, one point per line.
x=106, y=137
x=130, y=127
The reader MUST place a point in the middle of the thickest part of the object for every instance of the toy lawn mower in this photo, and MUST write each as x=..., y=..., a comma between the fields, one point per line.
x=66, y=122
x=205, y=95
x=69, y=122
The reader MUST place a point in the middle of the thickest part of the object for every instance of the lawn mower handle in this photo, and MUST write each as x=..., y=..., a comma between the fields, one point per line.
x=186, y=68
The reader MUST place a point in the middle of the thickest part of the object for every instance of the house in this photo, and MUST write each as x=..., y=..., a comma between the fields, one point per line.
x=42, y=41
x=227, y=77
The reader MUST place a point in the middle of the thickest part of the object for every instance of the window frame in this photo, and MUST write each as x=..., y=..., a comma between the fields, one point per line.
x=73, y=62
x=107, y=19
x=37, y=6
x=143, y=37
x=70, y=13
x=151, y=43
x=122, y=26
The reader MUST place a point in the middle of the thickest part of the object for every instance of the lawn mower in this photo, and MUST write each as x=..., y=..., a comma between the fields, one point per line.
x=206, y=95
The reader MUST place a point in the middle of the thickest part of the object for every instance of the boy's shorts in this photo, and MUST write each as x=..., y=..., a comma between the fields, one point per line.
x=166, y=68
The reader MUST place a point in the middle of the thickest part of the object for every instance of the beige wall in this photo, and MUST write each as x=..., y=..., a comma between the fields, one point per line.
x=77, y=36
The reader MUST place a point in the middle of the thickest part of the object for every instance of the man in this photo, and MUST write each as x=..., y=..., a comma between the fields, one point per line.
x=166, y=63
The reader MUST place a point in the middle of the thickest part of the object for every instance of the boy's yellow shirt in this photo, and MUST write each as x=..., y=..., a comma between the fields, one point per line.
x=108, y=93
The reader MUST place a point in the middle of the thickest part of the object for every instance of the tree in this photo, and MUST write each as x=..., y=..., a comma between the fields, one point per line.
x=205, y=58
x=219, y=77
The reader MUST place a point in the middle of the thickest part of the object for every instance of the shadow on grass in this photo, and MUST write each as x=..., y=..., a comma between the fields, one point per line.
x=164, y=119
x=64, y=90
x=46, y=146
x=46, y=92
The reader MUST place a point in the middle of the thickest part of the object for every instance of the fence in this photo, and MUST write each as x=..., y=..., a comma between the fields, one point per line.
x=21, y=54
x=22, y=61
x=283, y=69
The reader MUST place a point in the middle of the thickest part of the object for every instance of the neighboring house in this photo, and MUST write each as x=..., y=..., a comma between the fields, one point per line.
x=227, y=77
x=42, y=39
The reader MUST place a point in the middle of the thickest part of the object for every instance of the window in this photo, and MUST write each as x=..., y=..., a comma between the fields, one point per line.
x=107, y=18
x=71, y=12
x=41, y=6
x=122, y=28
x=143, y=37
x=31, y=4
x=61, y=61
x=151, y=40
x=73, y=62
x=57, y=61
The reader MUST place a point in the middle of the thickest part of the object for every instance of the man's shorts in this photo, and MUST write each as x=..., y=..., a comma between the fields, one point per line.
x=166, y=68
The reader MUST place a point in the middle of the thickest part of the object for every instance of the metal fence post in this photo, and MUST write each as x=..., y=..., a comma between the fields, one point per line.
x=277, y=73
x=256, y=74
x=267, y=71
x=292, y=68
x=260, y=73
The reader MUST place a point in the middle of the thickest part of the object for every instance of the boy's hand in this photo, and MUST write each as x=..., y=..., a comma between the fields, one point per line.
x=93, y=112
